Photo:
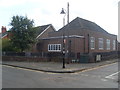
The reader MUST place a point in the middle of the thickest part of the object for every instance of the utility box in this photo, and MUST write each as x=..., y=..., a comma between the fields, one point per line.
x=98, y=58
x=84, y=58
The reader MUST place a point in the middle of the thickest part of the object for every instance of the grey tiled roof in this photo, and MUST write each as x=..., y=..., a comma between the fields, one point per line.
x=40, y=29
x=80, y=24
x=4, y=34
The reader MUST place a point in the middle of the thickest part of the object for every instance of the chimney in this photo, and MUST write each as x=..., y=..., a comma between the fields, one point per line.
x=3, y=29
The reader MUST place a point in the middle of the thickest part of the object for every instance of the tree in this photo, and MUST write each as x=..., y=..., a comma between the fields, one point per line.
x=22, y=33
x=7, y=46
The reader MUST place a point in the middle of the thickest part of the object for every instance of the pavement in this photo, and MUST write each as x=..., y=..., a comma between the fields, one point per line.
x=56, y=67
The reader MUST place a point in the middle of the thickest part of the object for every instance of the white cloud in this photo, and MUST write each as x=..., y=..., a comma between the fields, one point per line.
x=8, y=3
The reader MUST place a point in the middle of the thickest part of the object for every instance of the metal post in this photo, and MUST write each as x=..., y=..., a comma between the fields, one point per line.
x=63, y=12
x=63, y=21
x=68, y=13
x=68, y=51
x=63, y=51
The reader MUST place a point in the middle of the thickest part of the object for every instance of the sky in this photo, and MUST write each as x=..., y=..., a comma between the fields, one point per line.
x=102, y=12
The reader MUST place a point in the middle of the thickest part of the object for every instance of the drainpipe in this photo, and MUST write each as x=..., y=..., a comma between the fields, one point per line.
x=84, y=44
x=88, y=44
x=116, y=45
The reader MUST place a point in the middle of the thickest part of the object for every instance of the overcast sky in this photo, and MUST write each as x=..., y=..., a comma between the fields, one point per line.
x=102, y=12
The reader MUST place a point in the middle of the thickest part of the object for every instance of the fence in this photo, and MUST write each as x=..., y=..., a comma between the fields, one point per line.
x=29, y=56
x=24, y=54
x=57, y=57
x=107, y=55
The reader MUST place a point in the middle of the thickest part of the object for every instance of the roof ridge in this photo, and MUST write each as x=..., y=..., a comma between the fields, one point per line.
x=80, y=22
x=93, y=24
x=46, y=25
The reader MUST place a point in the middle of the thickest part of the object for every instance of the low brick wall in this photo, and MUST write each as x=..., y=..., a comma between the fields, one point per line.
x=106, y=55
x=53, y=57
x=20, y=58
x=30, y=59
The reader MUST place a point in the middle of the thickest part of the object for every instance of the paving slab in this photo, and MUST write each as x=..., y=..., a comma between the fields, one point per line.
x=56, y=67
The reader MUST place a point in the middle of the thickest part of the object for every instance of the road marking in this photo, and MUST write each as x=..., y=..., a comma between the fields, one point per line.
x=103, y=79
x=29, y=69
x=94, y=68
x=23, y=69
x=8, y=66
x=89, y=69
x=111, y=76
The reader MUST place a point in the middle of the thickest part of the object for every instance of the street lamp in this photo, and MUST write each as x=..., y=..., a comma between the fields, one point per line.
x=63, y=52
x=63, y=12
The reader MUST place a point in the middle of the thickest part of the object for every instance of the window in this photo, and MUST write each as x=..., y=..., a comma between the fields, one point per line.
x=114, y=45
x=108, y=44
x=54, y=47
x=100, y=43
x=92, y=42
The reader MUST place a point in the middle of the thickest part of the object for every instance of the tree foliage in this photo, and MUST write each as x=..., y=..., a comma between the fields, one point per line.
x=7, y=46
x=22, y=33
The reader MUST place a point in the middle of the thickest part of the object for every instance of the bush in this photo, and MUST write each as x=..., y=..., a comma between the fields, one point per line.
x=7, y=46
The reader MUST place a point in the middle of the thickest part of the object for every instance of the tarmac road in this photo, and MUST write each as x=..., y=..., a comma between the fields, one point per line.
x=101, y=77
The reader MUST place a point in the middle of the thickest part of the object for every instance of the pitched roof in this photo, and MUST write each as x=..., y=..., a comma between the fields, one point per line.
x=40, y=29
x=4, y=34
x=79, y=23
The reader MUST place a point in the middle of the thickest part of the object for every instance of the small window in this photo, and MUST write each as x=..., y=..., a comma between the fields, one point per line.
x=54, y=47
x=100, y=44
x=59, y=47
x=114, y=45
x=49, y=47
x=92, y=42
x=108, y=44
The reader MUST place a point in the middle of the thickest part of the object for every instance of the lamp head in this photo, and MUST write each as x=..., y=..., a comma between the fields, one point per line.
x=62, y=12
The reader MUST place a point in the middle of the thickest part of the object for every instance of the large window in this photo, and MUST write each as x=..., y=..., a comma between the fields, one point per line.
x=108, y=44
x=92, y=42
x=114, y=45
x=54, y=47
x=100, y=43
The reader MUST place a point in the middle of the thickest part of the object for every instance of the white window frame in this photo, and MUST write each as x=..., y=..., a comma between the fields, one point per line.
x=114, y=44
x=54, y=47
x=107, y=44
x=100, y=44
x=92, y=43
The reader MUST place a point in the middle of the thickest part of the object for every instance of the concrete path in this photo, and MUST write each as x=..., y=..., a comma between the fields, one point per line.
x=56, y=67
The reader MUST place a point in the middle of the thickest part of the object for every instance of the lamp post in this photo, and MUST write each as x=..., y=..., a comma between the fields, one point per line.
x=64, y=40
x=63, y=12
x=63, y=51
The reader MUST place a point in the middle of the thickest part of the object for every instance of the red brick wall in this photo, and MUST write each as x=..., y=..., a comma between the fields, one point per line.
x=19, y=58
x=99, y=35
x=80, y=45
x=3, y=29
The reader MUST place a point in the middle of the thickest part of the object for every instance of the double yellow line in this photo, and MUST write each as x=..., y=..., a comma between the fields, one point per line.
x=97, y=67
x=85, y=70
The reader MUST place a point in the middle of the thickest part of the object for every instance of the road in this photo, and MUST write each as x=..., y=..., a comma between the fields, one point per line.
x=102, y=77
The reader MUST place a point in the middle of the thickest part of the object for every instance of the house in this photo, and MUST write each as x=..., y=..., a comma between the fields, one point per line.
x=80, y=38
x=4, y=33
x=42, y=32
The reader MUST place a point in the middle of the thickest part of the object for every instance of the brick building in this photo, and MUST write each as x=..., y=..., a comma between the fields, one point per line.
x=81, y=37
x=4, y=33
x=42, y=32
